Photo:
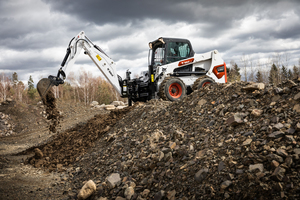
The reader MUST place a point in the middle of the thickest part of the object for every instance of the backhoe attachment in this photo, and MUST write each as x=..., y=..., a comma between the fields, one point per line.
x=45, y=84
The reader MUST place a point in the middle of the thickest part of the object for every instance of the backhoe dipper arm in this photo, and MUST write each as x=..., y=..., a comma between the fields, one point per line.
x=105, y=64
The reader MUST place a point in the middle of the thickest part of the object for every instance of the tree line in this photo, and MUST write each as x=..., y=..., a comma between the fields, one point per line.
x=85, y=88
x=274, y=71
x=78, y=89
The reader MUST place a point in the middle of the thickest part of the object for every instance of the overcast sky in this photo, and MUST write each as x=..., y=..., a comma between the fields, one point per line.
x=34, y=34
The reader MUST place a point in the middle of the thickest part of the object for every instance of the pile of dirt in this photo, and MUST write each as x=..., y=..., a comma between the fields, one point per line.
x=63, y=150
x=225, y=141
x=18, y=118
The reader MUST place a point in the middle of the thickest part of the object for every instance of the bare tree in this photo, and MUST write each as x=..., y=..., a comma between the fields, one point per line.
x=20, y=89
x=4, y=86
x=245, y=61
x=277, y=60
x=74, y=85
x=264, y=68
x=287, y=58
x=84, y=80
x=252, y=72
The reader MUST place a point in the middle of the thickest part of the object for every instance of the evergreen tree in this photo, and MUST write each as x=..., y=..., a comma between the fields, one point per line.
x=290, y=74
x=273, y=75
x=259, y=78
x=15, y=78
x=295, y=72
x=31, y=90
x=234, y=73
x=284, y=73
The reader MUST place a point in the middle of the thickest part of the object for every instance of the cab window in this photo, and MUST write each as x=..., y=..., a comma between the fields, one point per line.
x=159, y=55
x=177, y=51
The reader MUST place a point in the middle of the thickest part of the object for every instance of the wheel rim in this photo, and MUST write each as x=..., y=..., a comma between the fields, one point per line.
x=206, y=83
x=175, y=90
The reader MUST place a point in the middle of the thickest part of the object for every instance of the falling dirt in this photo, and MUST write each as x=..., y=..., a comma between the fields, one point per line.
x=52, y=112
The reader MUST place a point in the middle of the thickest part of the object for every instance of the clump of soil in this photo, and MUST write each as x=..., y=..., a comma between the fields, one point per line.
x=52, y=112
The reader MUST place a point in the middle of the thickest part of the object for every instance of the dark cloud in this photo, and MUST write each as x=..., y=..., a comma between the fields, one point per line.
x=218, y=16
x=124, y=28
x=291, y=32
x=172, y=11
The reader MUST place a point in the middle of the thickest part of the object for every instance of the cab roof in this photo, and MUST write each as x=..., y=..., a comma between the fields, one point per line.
x=163, y=40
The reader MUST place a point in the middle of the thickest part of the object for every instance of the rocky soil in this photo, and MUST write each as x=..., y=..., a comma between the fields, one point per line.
x=225, y=141
x=25, y=127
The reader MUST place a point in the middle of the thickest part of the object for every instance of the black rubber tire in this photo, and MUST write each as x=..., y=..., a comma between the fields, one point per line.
x=172, y=89
x=201, y=82
x=129, y=102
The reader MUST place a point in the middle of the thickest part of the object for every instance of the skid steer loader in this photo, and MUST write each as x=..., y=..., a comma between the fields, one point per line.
x=174, y=70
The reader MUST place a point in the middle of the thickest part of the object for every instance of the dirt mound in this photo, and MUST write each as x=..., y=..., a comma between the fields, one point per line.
x=19, y=118
x=225, y=141
x=68, y=145
x=234, y=141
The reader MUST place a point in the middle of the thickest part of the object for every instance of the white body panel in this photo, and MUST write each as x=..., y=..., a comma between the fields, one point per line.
x=207, y=61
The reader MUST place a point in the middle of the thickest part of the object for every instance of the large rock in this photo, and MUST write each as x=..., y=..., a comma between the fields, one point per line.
x=171, y=195
x=278, y=174
x=202, y=102
x=121, y=107
x=276, y=134
x=247, y=142
x=118, y=103
x=236, y=119
x=225, y=184
x=9, y=99
x=129, y=192
x=297, y=108
x=114, y=180
x=145, y=193
x=282, y=152
x=297, y=96
x=297, y=151
x=87, y=190
x=99, y=106
x=256, y=112
x=201, y=175
x=94, y=103
x=255, y=167
x=38, y=153
x=159, y=195
x=110, y=107
x=254, y=86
